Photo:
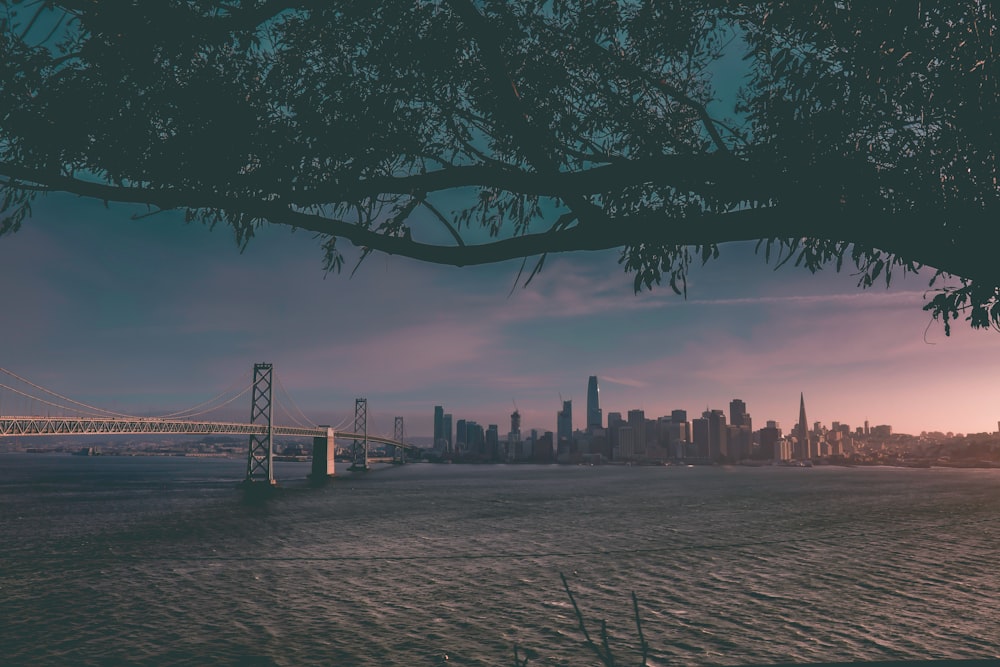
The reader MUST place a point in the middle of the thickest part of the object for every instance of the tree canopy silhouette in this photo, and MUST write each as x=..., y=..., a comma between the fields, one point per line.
x=472, y=131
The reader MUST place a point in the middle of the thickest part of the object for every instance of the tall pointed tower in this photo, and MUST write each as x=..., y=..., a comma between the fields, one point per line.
x=802, y=430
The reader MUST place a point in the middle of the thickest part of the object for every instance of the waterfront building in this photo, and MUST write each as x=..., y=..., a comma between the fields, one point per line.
x=625, y=451
x=637, y=421
x=782, y=449
x=739, y=441
x=493, y=442
x=718, y=441
x=769, y=436
x=475, y=439
x=662, y=430
x=599, y=445
x=699, y=435
x=542, y=452
x=615, y=422
x=678, y=432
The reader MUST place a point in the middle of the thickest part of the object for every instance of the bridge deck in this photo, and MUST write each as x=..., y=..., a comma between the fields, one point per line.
x=28, y=426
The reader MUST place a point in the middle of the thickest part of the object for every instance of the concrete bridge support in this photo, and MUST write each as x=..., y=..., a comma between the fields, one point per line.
x=323, y=465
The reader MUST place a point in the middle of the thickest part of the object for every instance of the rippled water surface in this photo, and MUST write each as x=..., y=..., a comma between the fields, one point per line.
x=161, y=561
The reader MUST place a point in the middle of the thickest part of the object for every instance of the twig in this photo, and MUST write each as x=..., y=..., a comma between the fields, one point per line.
x=604, y=641
x=638, y=626
x=606, y=659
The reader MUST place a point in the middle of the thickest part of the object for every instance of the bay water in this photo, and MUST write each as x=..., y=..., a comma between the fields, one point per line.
x=163, y=561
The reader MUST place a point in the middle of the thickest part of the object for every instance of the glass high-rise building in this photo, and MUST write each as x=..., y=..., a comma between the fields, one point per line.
x=594, y=420
x=564, y=425
x=438, y=426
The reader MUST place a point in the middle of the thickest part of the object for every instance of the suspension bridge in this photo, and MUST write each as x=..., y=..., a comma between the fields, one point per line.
x=260, y=430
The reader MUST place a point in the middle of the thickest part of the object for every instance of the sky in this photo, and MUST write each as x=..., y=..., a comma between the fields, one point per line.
x=153, y=315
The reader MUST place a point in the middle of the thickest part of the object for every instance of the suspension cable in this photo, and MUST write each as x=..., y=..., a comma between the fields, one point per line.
x=40, y=400
x=232, y=387
x=57, y=395
x=343, y=422
x=284, y=411
x=284, y=391
x=221, y=405
x=279, y=406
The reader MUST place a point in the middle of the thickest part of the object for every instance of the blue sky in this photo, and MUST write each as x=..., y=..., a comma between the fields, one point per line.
x=152, y=315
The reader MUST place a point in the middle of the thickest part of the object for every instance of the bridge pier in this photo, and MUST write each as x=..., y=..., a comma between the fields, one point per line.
x=359, y=451
x=399, y=452
x=323, y=464
x=260, y=453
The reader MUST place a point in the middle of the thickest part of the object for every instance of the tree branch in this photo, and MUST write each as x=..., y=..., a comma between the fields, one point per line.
x=531, y=140
x=668, y=90
x=892, y=232
x=234, y=20
x=713, y=174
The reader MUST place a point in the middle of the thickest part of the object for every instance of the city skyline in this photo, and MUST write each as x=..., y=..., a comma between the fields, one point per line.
x=146, y=316
x=737, y=416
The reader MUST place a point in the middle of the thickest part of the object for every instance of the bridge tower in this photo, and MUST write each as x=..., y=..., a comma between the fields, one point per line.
x=260, y=455
x=397, y=435
x=359, y=451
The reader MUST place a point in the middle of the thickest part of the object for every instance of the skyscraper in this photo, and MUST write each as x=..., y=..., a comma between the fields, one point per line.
x=637, y=420
x=718, y=434
x=737, y=412
x=700, y=435
x=515, y=421
x=438, y=426
x=615, y=422
x=492, y=441
x=802, y=430
x=564, y=426
x=594, y=420
x=740, y=432
x=514, y=436
x=446, y=432
x=474, y=437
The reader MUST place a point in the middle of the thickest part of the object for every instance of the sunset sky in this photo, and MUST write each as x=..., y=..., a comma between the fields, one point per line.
x=152, y=315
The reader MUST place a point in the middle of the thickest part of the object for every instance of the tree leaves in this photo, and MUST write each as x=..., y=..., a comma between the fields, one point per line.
x=864, y=135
